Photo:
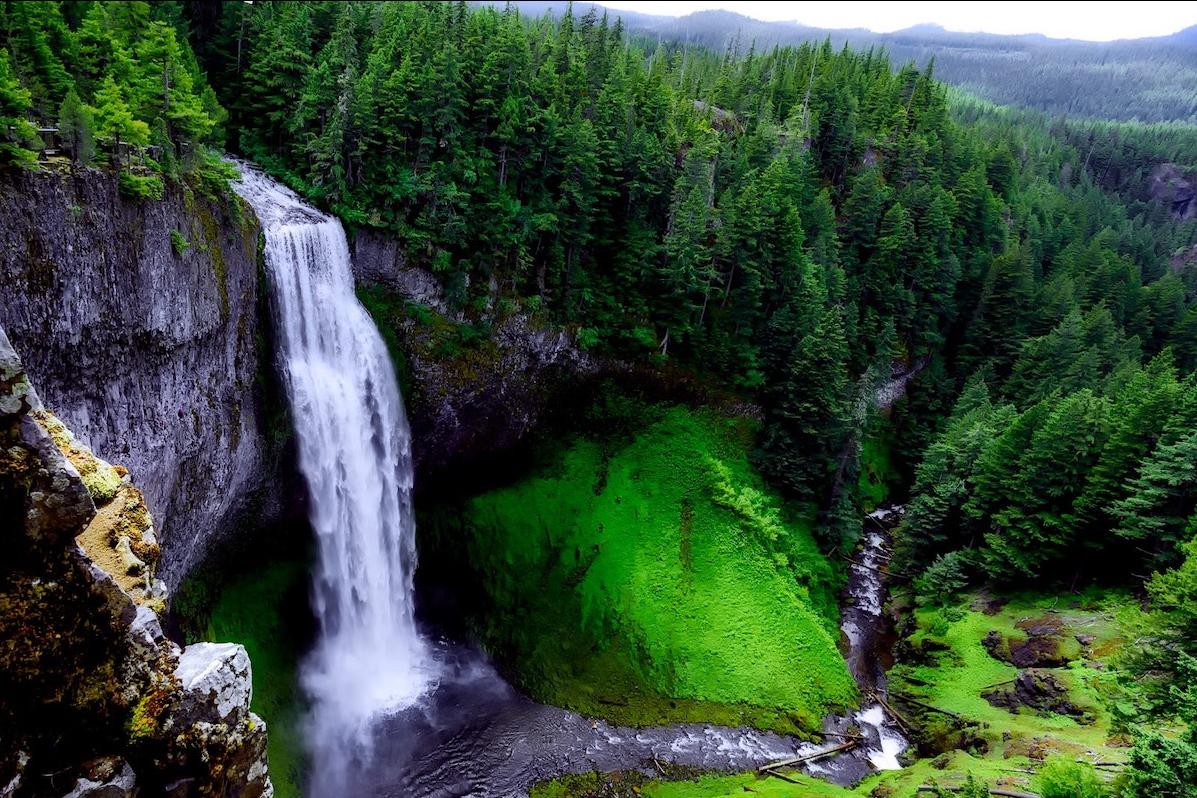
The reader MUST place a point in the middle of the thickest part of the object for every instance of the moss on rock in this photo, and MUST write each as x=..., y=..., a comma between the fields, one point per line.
x=101, y=479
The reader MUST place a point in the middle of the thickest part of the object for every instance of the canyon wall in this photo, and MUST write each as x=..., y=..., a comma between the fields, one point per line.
x=140, y=323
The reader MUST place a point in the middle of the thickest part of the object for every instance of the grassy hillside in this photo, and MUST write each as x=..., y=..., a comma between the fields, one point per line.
x=657, y=579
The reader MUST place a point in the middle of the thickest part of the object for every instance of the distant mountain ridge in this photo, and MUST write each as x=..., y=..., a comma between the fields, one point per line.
x=1150, y=80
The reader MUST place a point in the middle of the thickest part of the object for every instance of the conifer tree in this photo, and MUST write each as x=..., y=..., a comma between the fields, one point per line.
x=76, y=129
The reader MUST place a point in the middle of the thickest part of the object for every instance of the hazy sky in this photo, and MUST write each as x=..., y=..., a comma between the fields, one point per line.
x=1096, y=21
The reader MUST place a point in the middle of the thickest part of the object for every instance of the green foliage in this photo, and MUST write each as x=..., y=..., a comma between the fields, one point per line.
x=1161, y=500
x=1063, y=484
x=15, y=130
x=667, y=583
x=76, y=129
x=115, y=120
x=787, y=223
x=179, y=243
x=946, y=576
x=1063, y=777
x=1161, y=767
x=141, y=187
x=1165, y=664
x=973, y=788
x=107, y=70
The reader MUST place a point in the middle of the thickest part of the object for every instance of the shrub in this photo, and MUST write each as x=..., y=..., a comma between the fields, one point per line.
x=141, y=187
x=1061, y=777
x=943, y=578
x=179, y=243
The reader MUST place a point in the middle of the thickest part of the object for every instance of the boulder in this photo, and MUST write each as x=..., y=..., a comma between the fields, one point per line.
x=1034, y=689
x=216, y=682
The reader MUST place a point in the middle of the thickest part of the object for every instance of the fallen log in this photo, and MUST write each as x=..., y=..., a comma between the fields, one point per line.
x=998, y=684
x=798, y=760
x=993, y=791
x=781, y=776
x=907, y=699
x=897, y=574
x=901, y=721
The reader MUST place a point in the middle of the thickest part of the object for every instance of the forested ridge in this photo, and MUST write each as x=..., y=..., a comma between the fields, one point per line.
x=1151, y=80
x=791, y=224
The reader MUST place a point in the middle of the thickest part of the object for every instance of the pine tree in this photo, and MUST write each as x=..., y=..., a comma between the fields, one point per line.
x=114, y=120
x=76, y=129
x=165, y=88
x=1040, y=529
x=1160, y=502
x=806, y=414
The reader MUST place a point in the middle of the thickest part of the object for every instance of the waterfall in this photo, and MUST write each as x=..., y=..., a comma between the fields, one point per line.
x=355, y=455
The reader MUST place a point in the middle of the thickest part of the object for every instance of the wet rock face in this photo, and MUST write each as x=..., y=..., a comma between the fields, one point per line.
x=95, y=702
x=465, y=408
x=148, y=355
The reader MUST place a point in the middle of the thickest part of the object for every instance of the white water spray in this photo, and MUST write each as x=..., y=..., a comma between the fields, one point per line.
x=355, y=454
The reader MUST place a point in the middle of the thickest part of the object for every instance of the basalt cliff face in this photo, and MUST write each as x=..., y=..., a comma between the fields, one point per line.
x=468, y=404
x=94, y=699
x=141, y=325
x=145, y=325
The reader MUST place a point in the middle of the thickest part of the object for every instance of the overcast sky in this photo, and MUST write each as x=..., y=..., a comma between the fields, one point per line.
x=1096, y=21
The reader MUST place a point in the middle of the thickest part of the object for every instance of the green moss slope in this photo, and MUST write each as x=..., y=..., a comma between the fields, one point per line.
x=259, y=612
x=660, y=582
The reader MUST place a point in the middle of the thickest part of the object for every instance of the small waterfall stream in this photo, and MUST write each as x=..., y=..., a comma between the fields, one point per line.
x=866, y=629
x=355, y=455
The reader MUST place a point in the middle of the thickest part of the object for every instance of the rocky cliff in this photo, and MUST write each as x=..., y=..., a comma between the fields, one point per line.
x=139, y=322
x=144, y=325
x=469, y=396
x=1175, y=188
x=94, y=700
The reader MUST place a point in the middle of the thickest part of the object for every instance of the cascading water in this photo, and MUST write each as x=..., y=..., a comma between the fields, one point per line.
x=864, y=628
x=354, y=452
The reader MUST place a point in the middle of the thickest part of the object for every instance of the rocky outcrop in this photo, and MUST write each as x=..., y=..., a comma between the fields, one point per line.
x=139, y=322
x=467, y=399
x=94, y=699
x=1175, y=188
x=1042, y=647
x=1037, y=690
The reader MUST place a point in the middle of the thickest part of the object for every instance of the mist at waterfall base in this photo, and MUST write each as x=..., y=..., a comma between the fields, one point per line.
x=393, y=713
x=354, y=453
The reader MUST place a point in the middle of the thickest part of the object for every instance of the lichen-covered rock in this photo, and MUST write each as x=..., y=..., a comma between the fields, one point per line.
x=91, y=691
x=108, y=777
x=216, y=682
x=151, y=357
